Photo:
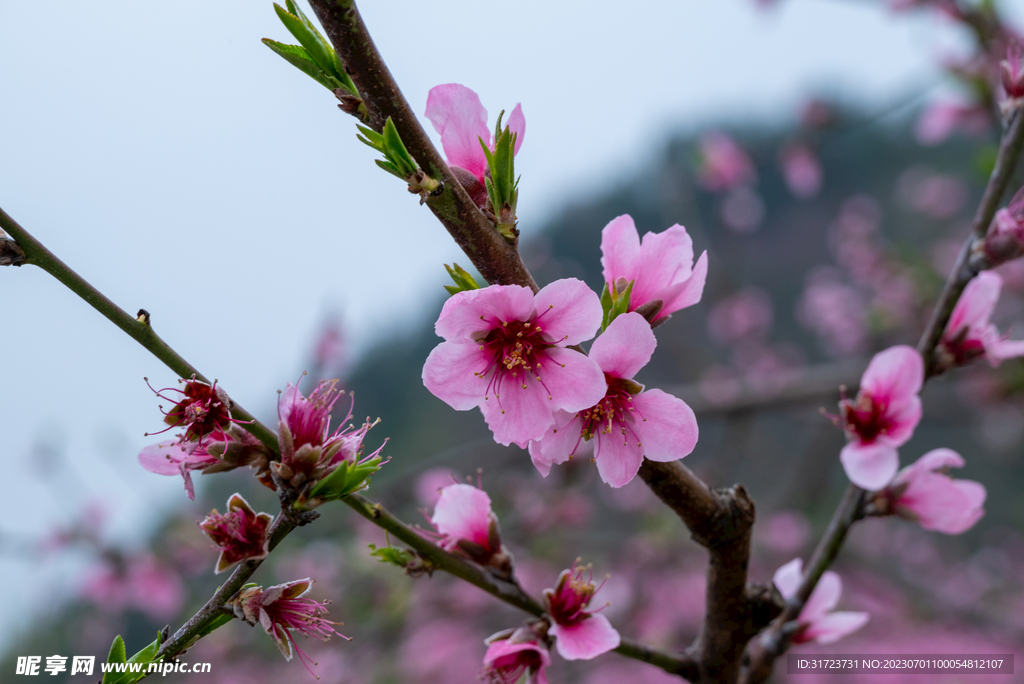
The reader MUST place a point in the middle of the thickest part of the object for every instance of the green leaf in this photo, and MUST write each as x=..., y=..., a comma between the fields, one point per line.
x=615, y=304
x=335, y=480
x=463, y=280
x=318, y=48
x=220, y=620
x=390, y=554
x=299, y=57
x=117, y=655
x=345, y=479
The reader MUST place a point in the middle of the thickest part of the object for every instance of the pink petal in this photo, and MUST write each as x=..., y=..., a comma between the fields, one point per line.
x=520, y=415
x=461, y=119
x=665, y=259
x=667, y=426
x=999, y=350
x=834, y=626
x=824, y=597
x=976, y=303
x=163, y=459
x=870, y=466
x=620, y=249
x=894, y=375
x=558, y=442
x=449, y=374
x=690, y=291
x=625, y=347
x=568, y=312
x=517, y=124
x=787, y=578
x=503, y=647
x=467, y=315
x=904, y=416
x=586, y=639
x=575, y=381
x=463, y=512
x=618, y=458
x=933, y=460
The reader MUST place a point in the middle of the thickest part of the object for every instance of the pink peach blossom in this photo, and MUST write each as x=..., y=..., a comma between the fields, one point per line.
x=627, y=424
x=469, y=527
x=723, y=164
x=283, y=609
x=240, y=533
x=1010, y=72
x=579, y=634
x=883, y=416
x=941, y=119
x=660, y=267
x=174, y=458
x=817, y=621
x=461, y=120
x=508, y=659
x=505, y=352
x=923, y=492
x=969, y=333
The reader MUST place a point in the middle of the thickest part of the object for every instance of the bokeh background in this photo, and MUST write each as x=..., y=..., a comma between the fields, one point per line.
x=180, y=166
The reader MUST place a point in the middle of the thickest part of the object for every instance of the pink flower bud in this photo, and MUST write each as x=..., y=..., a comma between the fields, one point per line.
x=1010, y=71
x=469, y=528
x=240, y=534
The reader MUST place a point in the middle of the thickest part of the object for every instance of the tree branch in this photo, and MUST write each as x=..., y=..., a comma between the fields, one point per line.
x=497, y=260
x=508, y=591
x=214, y=608
x=38, y=255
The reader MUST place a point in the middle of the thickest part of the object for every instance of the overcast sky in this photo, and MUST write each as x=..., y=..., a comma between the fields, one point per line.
x=162, y=151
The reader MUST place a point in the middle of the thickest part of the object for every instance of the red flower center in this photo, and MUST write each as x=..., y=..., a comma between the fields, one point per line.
x=867, y=418
x=514, y=352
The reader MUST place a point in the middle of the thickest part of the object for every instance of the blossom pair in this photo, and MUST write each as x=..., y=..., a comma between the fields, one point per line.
x=468, y=527
x=510, y=353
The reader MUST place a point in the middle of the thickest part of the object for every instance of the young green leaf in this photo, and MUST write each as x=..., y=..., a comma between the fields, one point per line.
x=297, y=56
x=463, y=280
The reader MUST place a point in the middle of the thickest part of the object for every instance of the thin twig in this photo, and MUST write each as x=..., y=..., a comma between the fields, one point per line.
x=214, y=608
x=38, y=255
x=507, y=590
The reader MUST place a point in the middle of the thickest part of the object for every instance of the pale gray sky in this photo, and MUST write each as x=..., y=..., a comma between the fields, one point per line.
x=167, y=155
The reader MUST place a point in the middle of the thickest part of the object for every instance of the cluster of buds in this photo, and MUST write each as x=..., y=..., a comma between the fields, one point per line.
x=318, y=465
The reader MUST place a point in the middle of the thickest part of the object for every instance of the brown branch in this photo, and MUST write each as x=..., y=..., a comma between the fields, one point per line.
x=721, y=521
x=10, y=252
x=508, y=591
x=497, y=260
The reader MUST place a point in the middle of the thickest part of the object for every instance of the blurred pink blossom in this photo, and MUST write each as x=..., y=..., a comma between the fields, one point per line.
x=941, y=119
x=747, y=313
x=935, y=195
x=818, y=621
x=742, y=210
x=141, y=582
x=969, y=333
x=801, y=170
x=925, y=493
x=722, y=164
x=429, y=484
x=835, y=312
x=786, y=531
